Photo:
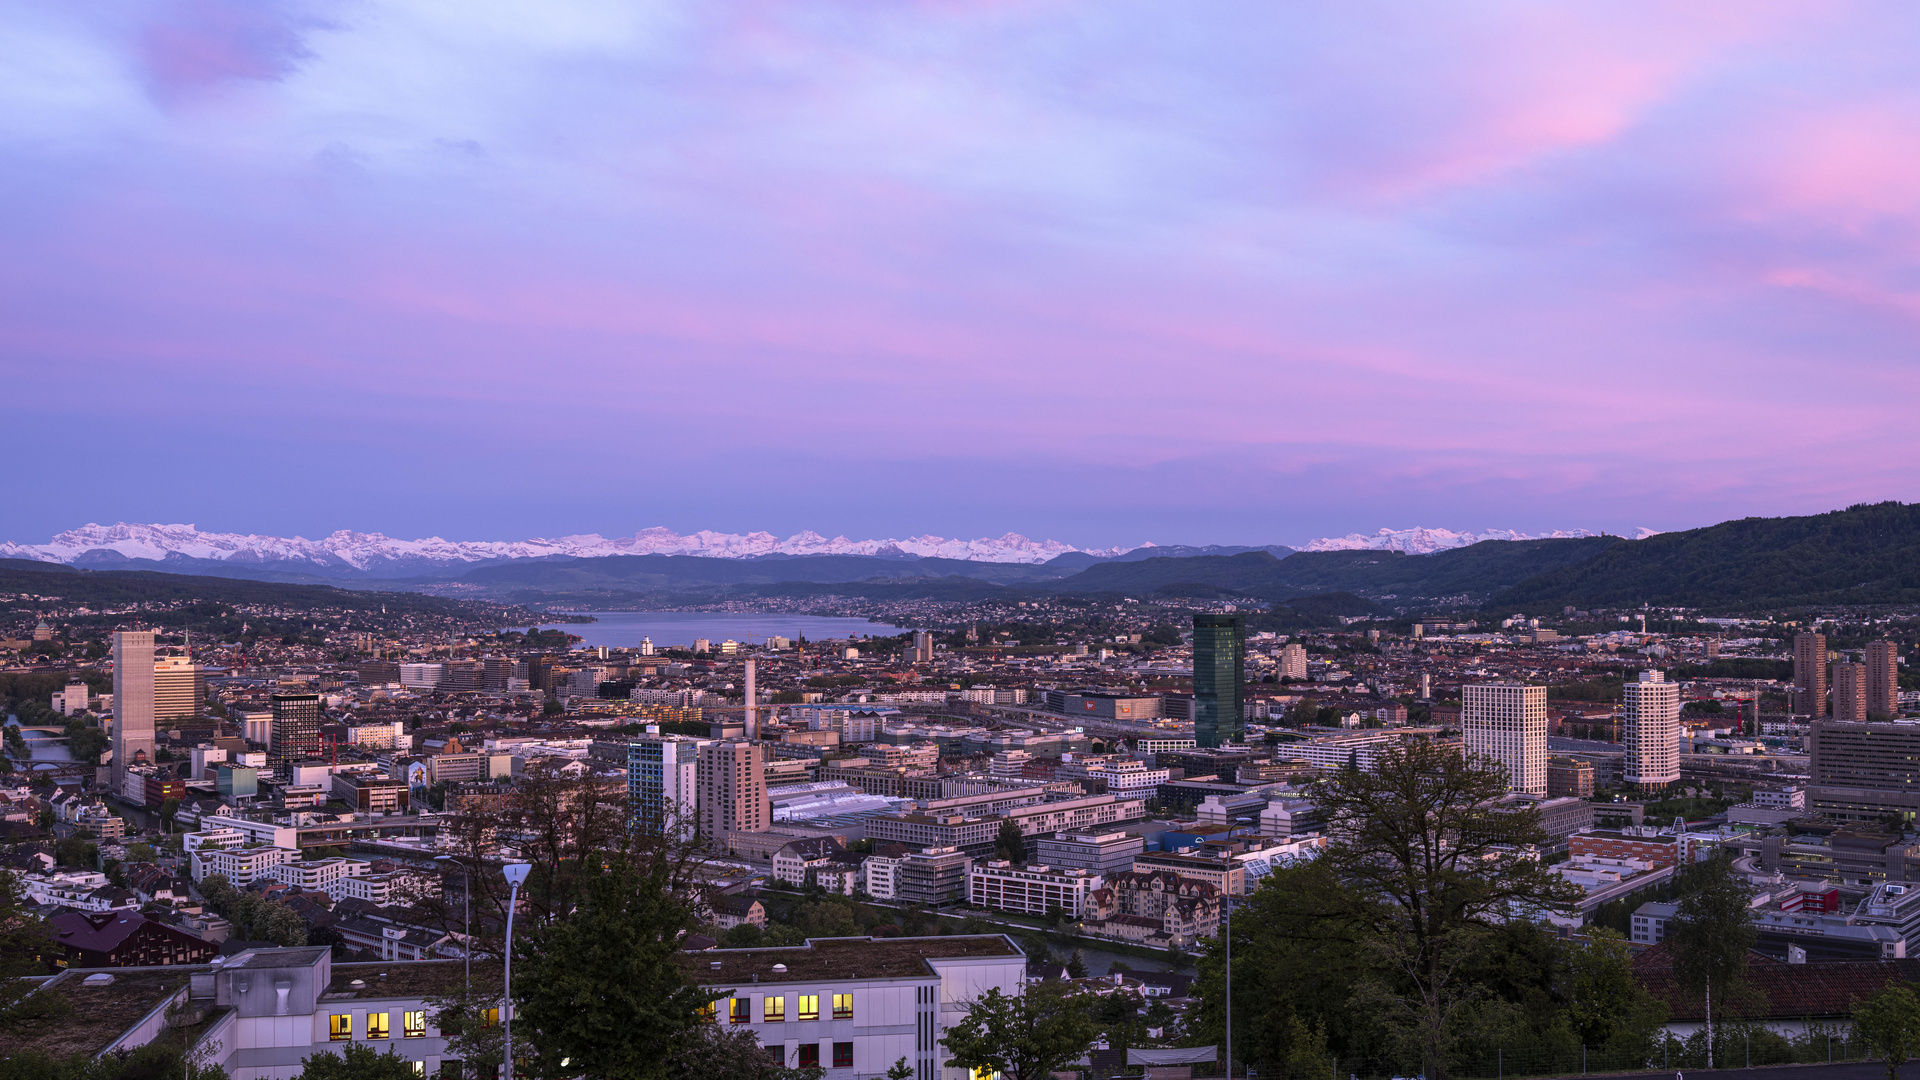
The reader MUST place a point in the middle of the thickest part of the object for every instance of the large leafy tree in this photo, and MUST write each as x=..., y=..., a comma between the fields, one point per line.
x=1605, y=1004
x=1710, y=935
x=709, y=1052
x=1890, y=1020
x=601, y=990
x=1429, y=860
x=1023, y=1037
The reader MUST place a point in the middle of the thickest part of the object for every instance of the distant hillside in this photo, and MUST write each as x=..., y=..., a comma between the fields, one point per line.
x=1475, y=572
x=1866, y=554
x=670, y=573
x=111, y=589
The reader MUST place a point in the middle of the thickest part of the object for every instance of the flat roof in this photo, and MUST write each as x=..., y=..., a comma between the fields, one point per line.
x=100, y=1014
x=840, y=958
x=406, y=978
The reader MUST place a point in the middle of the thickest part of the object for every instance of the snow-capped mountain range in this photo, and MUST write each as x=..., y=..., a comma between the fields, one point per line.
x=1427, y=541
x=352, y=553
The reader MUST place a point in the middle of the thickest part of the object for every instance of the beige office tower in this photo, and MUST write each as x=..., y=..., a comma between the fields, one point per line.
x=1883, y=679
x=1849, y=692
x=1653, y=732
x=1507, y=723
x=179, y=689
x=1810, y=675
x=733, y=790
x=132, y=700
x=1292, y=662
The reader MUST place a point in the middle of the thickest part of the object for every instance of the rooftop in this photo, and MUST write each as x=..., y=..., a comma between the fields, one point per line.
x=406, y=978
x=100, y=1014
x=840, y=958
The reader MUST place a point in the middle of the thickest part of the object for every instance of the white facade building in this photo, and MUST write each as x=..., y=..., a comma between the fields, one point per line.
x=241, y=866
x=854, y=1006
x=1652, y=714
x=1029, y=890
x=1507, y=723
x=882, y=876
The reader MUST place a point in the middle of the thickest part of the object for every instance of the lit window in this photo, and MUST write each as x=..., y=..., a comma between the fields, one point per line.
x=491, y=1017
x=740, y=1010
x=810, y=1010
x=776, y=1009
x=843, y=1006
x=416, y=1024
x=707, y=1013
x=809, y=1055
x=377, y=1025
x=843, y=1055
x=341, y=1027
x=419, y=1068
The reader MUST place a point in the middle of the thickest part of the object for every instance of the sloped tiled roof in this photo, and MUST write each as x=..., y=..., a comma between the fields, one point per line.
x=1789, y=991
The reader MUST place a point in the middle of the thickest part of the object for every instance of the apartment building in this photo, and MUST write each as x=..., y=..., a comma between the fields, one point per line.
x=978, y=835
x=1507, y=723
x=1029, y=890
x=854, y=1006
x=732, y=789
x=1652, y=714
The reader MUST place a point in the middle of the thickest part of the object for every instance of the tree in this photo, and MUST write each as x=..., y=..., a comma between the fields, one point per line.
x=709, y=1052
x=1011, y=844
x=1890, y=1020
x=356, y=1061
x=26, y=945
x=1076, y=965
x=900, y=1070
x=1428, y=862
x=1027, y=1037
x=601, y=989
x=1605, y=1004
x=77, y=851
x=1710, y=935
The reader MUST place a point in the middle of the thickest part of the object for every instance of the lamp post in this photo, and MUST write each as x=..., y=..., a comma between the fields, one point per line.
x=466, y=923
x=1227, y=929
x=515, y=873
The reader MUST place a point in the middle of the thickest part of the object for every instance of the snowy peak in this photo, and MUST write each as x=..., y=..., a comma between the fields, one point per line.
x=346, y=550
x=1419, y=541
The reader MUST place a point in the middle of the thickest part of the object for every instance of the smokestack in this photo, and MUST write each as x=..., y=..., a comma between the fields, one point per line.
x=753, y=730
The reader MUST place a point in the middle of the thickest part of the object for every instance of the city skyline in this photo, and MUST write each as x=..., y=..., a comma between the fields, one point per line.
x=1255, y=274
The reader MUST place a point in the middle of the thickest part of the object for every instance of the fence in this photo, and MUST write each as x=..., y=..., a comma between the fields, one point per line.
x=1735, y=1045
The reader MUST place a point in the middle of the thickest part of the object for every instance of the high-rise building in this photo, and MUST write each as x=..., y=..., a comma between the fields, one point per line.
x=1652, y=714
x=179, y=689
x=1810, y=675
x=663, y=783
x=1865, y=772
x=923, y=647
x=1849, y=692
x=295, y=736
x=1292, y=662
x=132, y=701
x=1507, y=723
x=1883, y=679
x=752, y=714
x=1219, y=661
x=733, y=789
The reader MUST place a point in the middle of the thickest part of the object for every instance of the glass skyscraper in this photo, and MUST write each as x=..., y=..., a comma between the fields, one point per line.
x=1219, y=657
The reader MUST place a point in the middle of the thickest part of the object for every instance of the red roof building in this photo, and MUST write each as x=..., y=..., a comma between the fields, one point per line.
x=93, y=939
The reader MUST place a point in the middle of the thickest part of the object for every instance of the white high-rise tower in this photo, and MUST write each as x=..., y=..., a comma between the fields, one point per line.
x=1507, y=722
x=1653, y=732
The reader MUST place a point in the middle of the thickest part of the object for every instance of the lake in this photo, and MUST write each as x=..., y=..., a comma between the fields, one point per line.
x=680, y=629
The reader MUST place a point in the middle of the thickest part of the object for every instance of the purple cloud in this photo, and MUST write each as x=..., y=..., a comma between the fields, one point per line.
x=1243, y=274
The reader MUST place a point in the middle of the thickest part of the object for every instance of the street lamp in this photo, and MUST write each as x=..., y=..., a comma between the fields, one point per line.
x=466, y=925
x=1227, y=880
x=516, y=874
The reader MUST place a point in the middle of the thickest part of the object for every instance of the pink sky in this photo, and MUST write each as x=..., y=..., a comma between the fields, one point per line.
x=1106, y=272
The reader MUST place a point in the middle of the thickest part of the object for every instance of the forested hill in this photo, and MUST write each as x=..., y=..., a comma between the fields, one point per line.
x=1866, y=554
x=1475, y=573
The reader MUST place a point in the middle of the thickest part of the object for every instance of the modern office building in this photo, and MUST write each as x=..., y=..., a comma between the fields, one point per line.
x=1096, y=853
x=1849, y=682
x=922, y=647
x=179, y=689
x=1291, y=662
x=296, y=732
x=1652, y=714
x=732, y=789
x=663, y=782
x=1810, y=675
x=1029, y=890
x=132, y=701
x=851, y=1007
x=1883, y=680
x=1864, y=772
x=1219, y=662
x=1507, y=723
